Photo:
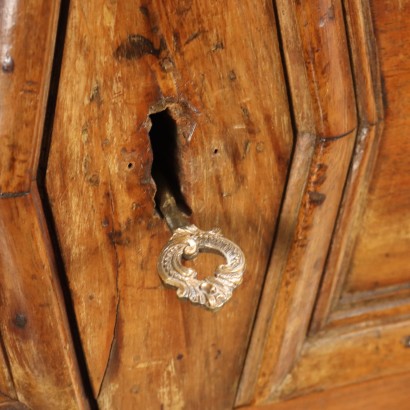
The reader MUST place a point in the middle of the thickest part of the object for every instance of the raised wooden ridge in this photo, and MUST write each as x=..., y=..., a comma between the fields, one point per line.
x=38, y=366
x=320, y=83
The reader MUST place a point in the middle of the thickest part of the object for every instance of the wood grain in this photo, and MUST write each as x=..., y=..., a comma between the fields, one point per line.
x=381, y=394
x=344, y=357
x=287, y=225
x=6, y=382
x=384, y=240
x=353, y=337
x=6, y=403
x=367, y=77
x=315, y=47
x=13, y=405
x=145, y=348
x=378, y=310
x=318, y=33
x=38, y=363
x=27, y=36
x=376, y=287
x=318, y=171
x=32, y=320
x=296, y=281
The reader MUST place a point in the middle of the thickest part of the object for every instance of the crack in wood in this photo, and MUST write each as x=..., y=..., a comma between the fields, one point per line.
x=118, y=298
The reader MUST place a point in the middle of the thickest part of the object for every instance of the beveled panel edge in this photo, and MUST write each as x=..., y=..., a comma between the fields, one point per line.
x=367, y=77
x=263, y=371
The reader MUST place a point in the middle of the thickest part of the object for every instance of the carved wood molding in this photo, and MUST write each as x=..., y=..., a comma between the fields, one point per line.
x=370, y=111
x=317, y=61
x=38, y=362
x=298, y=344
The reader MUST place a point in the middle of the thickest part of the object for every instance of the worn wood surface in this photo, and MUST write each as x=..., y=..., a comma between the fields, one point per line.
x=6, y=381
x=13, y=405
x=38, y=363
x=294, y=195
x=32, y=320
x=296, y=278
x=347, y=356
x=143, y=346
x=368, y=279
x=370, y=116
x=315, y=50
x=357, y=333
x=225, y=90
x=313, y=36
x=381, y=257
x=27, y=34
x=6, y=403
x=381, y=394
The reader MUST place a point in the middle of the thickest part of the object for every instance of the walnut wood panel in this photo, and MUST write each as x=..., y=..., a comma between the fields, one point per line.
x=381, y=394
x=38, y=364
x=381, y=257
x=13, y=405
x=367, y=283
x=7, y=403
x=295, y=280
x=373, y=341
x=27, y=34
x=143, y=346
x=6, y=382
x=317, y=30
x=368, y=95
x=345, y=357
x=320, y=86
x=33, y=323
x=313, y=36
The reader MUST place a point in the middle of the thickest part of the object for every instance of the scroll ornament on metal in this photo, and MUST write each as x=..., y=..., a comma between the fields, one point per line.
x=214, y=291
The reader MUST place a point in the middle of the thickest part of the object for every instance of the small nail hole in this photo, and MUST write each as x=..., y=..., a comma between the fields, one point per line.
x=20, y=320
x=215, y=151
x=130, y=165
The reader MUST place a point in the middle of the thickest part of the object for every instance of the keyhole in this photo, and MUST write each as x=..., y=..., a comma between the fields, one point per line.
x=166, y=162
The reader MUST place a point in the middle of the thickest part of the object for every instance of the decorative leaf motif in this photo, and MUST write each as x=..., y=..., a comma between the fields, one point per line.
x=214, y=291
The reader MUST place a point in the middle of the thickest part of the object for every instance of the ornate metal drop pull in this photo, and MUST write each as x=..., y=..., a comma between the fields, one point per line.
x=187, y=242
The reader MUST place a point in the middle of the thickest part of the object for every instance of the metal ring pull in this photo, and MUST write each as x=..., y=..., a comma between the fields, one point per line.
x=186, y=243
